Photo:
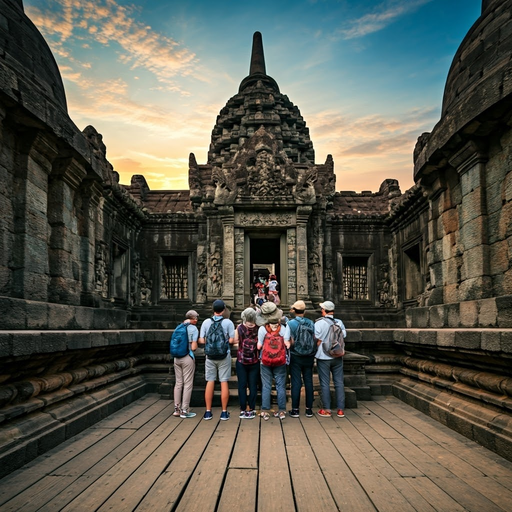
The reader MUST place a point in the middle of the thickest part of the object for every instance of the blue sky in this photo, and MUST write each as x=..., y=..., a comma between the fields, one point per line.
x=367, y=76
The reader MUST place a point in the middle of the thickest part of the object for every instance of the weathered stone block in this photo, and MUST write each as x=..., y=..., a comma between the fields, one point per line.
x=412, y=336
x=491, y=341
x=450, y=220
x=428, y=337
x=475, y=288
x=468, y=339
x=446, y=338
x=506, y=342
x=84, y=318
x=453, y=315
x=37, y=315
x=98, y=339
x=77, y=340
x=12, y=314
x=474, y=232
x=468, y=313
x=24, y=343
x=53, y=341
x=504, y=306
x=437, y=316
x=419, y=317
x=61, y=316
x=353, y=335
x=499, y=257
x=5, y=345
x=471, y=206
x=487, y=313
x=399, y=335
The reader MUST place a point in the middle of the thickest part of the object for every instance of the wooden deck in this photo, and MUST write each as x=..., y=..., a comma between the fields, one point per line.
x=382, y=456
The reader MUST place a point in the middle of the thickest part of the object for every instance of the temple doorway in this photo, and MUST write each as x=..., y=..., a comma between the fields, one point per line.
x=266, y=256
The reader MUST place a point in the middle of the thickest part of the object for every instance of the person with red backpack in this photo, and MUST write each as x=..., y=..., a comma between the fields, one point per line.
x=273, y=341
x=247, y=363
x=329, y=333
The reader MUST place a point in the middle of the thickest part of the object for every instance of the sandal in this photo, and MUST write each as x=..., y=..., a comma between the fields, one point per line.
x=282, y=415
x=265, y=415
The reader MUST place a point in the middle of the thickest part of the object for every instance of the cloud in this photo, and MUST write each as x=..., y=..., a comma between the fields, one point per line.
x=384, y=15
x=107, y=22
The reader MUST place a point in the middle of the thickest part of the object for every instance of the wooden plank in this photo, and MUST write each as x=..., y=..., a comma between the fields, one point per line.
x=392, y=457
x=465, y=495
x=245, y=453
x=434, y=495
x=23, y=478
x=385, y=497
x=169, y=487
x=149, y=413
x=382, y=428
x=130, y=493
x=204, y=488
x=97, y=493
x=274, y=485
x=493, y=490
x=307, y=477
x=419, y=503
x=345, y=488
x=126, y=414
x=456, y=453
x=50, y=486
x=239, y=491
x=34, y=497
x=109, y=460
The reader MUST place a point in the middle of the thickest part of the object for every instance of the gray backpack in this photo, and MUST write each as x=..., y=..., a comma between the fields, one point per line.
x=334, y=344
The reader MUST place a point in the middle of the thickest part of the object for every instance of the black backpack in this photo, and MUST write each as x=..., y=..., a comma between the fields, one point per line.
x=216, y=346
x=304, y=343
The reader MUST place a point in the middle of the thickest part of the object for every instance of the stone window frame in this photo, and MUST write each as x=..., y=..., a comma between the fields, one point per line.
x=370, y=283
x=191, y=281
x=417, y=241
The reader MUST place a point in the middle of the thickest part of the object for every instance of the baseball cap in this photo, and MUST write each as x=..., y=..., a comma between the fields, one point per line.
x=300, y=305
x=218, y=306
x=327, y=305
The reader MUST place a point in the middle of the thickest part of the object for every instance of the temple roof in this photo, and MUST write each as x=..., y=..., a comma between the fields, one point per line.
x=259, y=102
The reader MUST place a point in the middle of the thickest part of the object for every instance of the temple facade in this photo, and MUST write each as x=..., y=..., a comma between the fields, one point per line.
x=93, y=273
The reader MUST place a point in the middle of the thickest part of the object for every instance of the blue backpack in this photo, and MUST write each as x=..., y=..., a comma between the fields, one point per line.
x=304, y=343
x=179, y=341
x=216, y=346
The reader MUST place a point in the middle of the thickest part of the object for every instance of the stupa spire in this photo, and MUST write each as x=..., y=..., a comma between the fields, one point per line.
x=257, y=56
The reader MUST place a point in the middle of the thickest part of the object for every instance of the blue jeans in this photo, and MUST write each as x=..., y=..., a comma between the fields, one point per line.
x=301, y=368
x=267, y=374
x=248, y=376
x=325, y=367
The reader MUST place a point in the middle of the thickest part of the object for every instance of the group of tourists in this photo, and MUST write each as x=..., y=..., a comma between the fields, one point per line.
x=266, y=290
x=268, y=344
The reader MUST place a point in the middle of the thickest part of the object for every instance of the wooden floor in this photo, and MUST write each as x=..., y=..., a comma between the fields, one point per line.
x=382, y=456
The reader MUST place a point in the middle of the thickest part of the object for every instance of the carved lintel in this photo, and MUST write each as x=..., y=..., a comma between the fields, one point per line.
x=246, y=219
x=467, y=157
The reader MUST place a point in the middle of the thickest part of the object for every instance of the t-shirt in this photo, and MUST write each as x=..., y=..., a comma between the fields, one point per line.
x=193, y=334
x=227, y=326
x=322, y=331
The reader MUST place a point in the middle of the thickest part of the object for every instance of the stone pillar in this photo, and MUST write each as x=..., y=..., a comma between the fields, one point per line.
x=475, y=271
x=239, y=241
x=30, y=201
x=315, y=259
x=328, y=262
x=228, y=260
x=91, y=200
x=291, y=242
x=64, y=247
x=303, y=213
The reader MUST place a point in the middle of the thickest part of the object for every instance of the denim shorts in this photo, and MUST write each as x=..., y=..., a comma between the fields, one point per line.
x=217, y=367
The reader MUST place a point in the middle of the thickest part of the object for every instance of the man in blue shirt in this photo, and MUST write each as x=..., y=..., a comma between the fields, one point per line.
x=217, y=368
x=327, y=365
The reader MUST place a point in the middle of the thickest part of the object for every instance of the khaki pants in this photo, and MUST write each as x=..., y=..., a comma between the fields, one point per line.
x=184, y=368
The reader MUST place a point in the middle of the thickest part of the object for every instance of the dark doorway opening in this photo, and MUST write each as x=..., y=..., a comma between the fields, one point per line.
x=265, y=257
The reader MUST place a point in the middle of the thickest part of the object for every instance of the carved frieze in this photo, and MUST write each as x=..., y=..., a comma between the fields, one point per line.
x=247, y=219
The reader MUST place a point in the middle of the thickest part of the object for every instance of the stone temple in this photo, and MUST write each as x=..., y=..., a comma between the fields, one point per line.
x=93, y=274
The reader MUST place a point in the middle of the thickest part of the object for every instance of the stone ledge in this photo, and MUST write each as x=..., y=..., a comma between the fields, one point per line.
x=485, y=424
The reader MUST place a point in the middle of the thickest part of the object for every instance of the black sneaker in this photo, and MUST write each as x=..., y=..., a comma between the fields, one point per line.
x=309, y=413
x=294, y=413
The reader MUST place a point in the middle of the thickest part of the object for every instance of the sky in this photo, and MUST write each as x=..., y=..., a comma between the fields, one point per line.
x=151, y=76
